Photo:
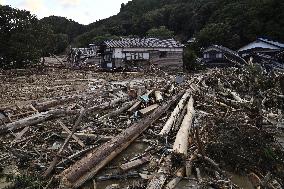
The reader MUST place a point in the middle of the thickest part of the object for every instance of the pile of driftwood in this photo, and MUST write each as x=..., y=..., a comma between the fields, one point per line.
x=195, y=130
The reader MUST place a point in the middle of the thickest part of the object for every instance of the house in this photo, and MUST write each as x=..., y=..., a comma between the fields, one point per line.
x=219, y=56
x=263, y=46
x=140, y=51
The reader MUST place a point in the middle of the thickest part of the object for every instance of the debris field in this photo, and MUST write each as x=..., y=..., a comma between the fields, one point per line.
x=65, y=128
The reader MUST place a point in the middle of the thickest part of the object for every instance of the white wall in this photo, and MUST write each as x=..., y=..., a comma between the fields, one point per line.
x=117, y=53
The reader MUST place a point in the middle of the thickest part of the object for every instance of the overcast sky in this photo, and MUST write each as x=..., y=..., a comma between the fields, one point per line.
x=82, y=11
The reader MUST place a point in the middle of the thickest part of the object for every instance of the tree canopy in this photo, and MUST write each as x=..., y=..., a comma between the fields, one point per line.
x=24, y=39
x=225, y=22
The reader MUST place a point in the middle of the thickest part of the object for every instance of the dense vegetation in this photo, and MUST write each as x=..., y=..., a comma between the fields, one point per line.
x=231, y=23
x=24, y=39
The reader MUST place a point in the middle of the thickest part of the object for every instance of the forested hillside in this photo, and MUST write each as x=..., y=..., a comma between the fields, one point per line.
x=61, y=25
x=227, y=22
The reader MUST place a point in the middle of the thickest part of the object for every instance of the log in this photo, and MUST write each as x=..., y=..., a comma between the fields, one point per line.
x=36, y=119
x=167, y=127
x=180, y=118
x=180, y=146
x=134, y=107
x=148, y=110
x=125, y=107
x=88, y=166
x=135, y=163
x=44, y=106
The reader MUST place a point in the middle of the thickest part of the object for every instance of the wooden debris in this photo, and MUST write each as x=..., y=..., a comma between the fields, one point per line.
x=148, y=110
x=135, y=163
x=158, y=96
x=87, y=167
x=73, y=136
x=167, y=127
x=125, y=107
x=36, y=119
x=158, y=181
x=173, y=183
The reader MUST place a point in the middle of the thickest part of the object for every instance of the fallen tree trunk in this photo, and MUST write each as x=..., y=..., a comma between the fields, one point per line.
x=44, y=106
x=36, y=119
x=167, y=127
x=181, y=142
x=53, y=114
x=125, y=107
x=88, y=166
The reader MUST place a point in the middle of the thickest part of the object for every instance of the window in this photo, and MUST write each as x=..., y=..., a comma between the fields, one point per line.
x=219, y=55
x=206, y=55
x=163, y=54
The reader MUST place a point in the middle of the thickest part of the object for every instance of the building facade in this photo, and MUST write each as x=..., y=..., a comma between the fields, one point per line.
x=135, y=51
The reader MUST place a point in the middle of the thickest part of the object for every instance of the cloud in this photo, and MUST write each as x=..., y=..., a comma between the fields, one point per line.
x=2, y=2
x=70, y=3
x=33, y=5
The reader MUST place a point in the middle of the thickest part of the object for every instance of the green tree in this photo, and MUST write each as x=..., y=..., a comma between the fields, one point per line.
x=23, y=39
x=220, y=34
x=189, y=59
x=162, y=32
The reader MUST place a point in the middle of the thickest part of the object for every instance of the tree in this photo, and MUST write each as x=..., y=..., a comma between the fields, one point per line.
x=23, y=39
x=220, y=34
x=189, y=59
x=162, y=32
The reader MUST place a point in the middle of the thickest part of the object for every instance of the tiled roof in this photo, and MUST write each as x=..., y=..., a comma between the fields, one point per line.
x=275, y=43
x=143, y=43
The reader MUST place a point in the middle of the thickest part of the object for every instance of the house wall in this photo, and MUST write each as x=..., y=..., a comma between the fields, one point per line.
x=158, y=56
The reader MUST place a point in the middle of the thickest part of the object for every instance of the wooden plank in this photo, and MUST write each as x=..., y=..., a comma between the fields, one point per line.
x=148, y=109
x=69, y=132
x=135, y=163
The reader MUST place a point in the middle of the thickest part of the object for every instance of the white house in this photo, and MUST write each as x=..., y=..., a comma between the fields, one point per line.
x=261, y=45
x=120, y=53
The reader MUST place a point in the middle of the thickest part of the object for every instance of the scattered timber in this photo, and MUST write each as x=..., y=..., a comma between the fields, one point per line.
x=158, y=181
x=88, y=166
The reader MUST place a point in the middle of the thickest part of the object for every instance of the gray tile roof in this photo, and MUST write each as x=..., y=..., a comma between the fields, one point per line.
x=275, y=43
x=144, y=43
